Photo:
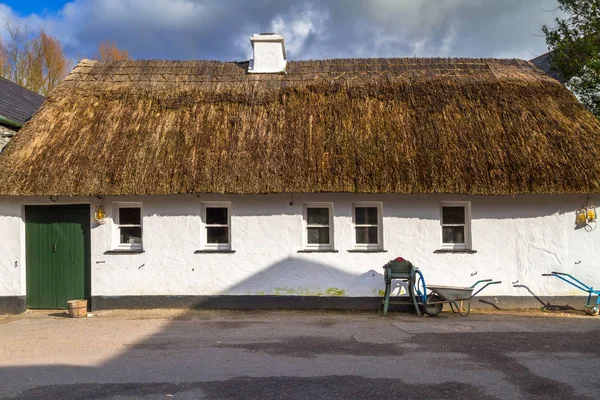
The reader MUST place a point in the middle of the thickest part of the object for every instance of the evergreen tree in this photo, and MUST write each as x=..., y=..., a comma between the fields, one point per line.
x=575, y=45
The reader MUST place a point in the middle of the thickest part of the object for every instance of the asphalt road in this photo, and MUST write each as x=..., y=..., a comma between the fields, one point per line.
x=298, y=355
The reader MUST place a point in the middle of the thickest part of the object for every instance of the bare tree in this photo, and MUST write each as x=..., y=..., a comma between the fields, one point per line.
x=47, y=64
x=33, y=60
x=3, y=61
x=108, y=51
x=16, y=49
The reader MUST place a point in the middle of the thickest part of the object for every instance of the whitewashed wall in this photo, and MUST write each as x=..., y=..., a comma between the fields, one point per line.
x=12, y=234
x=5, y=136
x=517, y=239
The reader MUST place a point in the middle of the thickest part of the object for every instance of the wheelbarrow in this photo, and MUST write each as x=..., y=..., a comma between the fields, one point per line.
x=590, y=307
x=455, y=296
x=427, y=299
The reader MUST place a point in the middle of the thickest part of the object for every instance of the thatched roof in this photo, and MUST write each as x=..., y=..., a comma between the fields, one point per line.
x=480, y=126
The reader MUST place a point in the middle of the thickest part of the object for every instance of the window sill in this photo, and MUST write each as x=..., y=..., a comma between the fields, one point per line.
x=455, y=251
x=214, y=251
x=124, y=251
x=318, y=251
x=367, y=251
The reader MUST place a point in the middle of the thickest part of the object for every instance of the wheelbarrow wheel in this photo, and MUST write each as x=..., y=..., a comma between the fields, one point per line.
x=432, y=307
x=591, y=310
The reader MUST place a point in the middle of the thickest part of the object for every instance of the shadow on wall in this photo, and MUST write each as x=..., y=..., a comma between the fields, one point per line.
x=545, y=305
x=532, y=301
x=292, y=283
x=298, y=276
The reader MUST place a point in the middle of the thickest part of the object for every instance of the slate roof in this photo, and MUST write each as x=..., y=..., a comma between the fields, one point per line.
x=17, y=103
x=543, y=63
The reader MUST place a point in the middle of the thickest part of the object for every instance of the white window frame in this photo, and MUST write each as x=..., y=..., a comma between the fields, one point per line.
x=316, y=246
x=368, y=246
x=205, y=226
x=456, y=246
x=117, y=226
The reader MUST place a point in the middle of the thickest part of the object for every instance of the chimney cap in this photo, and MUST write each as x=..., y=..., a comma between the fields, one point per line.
x=268, y=37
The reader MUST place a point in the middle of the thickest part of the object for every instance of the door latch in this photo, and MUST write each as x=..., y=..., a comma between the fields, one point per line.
x=54, y=247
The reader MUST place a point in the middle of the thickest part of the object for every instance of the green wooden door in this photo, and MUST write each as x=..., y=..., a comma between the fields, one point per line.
x=57, y=241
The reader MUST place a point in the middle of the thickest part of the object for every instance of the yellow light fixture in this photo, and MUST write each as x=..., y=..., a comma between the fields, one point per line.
x=580, y=217
x=99, y=215
x=590, y=213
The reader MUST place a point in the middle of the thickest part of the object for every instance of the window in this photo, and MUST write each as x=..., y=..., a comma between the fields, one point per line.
x=216, y=217
x=367, y=226
x=455, y=221
x=318, y=220
x=128, y=220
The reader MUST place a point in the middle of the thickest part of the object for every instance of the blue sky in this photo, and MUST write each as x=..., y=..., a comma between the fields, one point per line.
x=26, y=7
x=314, y=29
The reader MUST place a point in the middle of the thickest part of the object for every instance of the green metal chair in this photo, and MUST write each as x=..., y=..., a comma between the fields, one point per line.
x=405, y=271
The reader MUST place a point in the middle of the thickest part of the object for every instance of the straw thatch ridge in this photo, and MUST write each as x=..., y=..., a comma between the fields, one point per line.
x=479, y=126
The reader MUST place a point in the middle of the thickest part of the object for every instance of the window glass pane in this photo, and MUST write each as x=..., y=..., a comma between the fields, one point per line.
x=366, y=235
x=216, y=215
x=366, y=215
x=453, y=234
x=317, y=216
x=217, y=235
x=318, y=235
x=131, y=235
x=453, y=215
x=130, y=216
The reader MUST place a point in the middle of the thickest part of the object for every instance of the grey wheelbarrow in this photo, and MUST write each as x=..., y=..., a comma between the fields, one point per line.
x=455, y=296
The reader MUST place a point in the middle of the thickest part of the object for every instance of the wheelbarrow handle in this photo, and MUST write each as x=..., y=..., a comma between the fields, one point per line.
x=484, y=286
x=481, y=281
x=571, y=280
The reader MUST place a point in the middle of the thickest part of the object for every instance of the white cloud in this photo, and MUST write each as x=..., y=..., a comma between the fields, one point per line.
x=299, y=27
x=219, y=29
x=449, y=41
x=419, y=47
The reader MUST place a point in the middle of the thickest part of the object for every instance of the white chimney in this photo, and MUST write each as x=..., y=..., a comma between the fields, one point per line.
x=269, y=54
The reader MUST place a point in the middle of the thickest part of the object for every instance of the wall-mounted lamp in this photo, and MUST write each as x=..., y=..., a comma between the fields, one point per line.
x=99, y=215
x=590, y=213
x=586, y=215
x=580, y=217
